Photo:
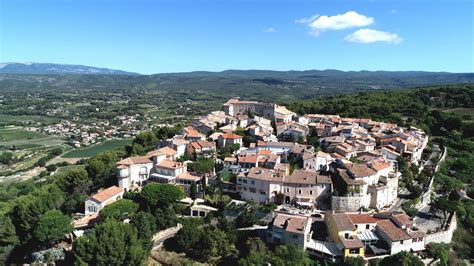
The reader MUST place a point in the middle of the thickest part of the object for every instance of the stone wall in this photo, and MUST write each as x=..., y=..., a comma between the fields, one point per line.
x=426, y=197
x=444, y=236
x=349, y=204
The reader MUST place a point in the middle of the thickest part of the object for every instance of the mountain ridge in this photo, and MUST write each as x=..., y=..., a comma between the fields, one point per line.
x=51, y=68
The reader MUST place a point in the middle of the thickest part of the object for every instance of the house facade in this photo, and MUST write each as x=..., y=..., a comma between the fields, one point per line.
x=103, y=198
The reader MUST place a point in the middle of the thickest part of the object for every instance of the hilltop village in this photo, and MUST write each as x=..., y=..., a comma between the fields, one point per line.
x=334, y=181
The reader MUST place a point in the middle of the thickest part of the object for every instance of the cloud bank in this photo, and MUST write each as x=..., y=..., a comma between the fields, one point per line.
x=350, y=19
x=371, y=36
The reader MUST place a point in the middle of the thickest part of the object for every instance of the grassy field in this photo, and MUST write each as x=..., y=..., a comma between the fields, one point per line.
x=13, y=119
x=90, y=151
x=17, y=133
x=27, y=140
x=467, y=113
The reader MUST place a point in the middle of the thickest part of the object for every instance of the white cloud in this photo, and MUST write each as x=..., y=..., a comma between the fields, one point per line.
x=370, y=36
x=350, y=19
x=393, y=11
x=307, y=20
x=270, y=30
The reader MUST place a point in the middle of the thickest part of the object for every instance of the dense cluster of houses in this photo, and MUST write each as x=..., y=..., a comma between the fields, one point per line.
x=81, y=134
x=353, y=169
x=341, y=235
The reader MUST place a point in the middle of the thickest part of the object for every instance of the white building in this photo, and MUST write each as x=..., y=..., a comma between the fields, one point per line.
x=103, y=198
x=290, y=230
x=318, y=161
x=133, y=171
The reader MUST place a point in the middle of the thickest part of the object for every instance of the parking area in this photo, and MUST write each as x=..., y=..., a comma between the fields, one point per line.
x=426, y=221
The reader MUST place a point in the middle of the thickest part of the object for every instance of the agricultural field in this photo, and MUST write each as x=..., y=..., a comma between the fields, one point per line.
x=86, y=152
x=26, y=148
x=26, y=139
x=466, y=113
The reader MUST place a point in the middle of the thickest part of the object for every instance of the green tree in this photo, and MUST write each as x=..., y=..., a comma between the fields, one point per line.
x=165, y=218
x=6, y=158
x=289, y=255
x=146, y=225
x=202, y=165
x=256, y=253
x=354, y=261
x=160, y=195
x=8, y=235
x=214, y=243
x=403, y=258
x=247, y=218
x=102, y=167
x=119, y=210
x=439, y=251
x=147, y=140
x=111, y=243
x=53, y=226
x=194, y=191
x=75, y=180
x=29, y=208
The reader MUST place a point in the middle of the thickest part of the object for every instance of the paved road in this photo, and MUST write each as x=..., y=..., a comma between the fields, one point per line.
x=397, y=206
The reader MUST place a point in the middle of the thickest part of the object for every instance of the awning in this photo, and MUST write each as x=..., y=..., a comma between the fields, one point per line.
x=308, y=204
x=368, y=236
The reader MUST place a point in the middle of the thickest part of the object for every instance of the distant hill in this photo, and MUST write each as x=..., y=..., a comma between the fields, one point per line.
x=249, y=84
x=49, y=68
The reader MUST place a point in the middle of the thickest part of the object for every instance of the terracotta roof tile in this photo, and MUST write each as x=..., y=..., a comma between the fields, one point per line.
x=393, y=232
x=168, y=151
x=107, y=193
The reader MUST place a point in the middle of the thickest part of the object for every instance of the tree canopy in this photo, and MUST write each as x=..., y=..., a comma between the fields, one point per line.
x=110, y=243
x=53, y=226
x=119, y=210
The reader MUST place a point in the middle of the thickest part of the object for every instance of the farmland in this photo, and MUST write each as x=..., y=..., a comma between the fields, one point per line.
x=86, y=152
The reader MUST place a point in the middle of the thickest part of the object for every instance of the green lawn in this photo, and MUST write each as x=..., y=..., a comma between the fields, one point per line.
x=91, y=151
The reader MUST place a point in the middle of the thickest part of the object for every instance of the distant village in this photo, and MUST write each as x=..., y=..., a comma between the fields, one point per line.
x=85, y=134
x=336, y=198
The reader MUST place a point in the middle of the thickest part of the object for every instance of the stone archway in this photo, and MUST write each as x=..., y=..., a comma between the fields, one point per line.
x=287, y=199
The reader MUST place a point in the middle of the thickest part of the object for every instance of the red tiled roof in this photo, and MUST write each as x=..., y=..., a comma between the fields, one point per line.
x=230, y=136
x=170, y=164
x=188, y=176
x=168, y=151
x=191, y=132
x=107, y=193
x=362, y=218
x=265, y=152
x=248, y=158
x=392, y=231
x=353, y=242
x=291, y=223
x=135, y=160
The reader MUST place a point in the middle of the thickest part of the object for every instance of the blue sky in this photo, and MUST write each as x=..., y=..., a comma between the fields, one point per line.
x=148, y=36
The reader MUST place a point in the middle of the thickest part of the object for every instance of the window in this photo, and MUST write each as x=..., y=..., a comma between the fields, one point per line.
x=354, y=251
x=310, y=192
x=244, y=181
x=253, y=182
x=287, y=189
x=92, y=209
x=367, y=226
x=357, y=226
x=401, y=242
x=346, y=235
x=299, y=191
